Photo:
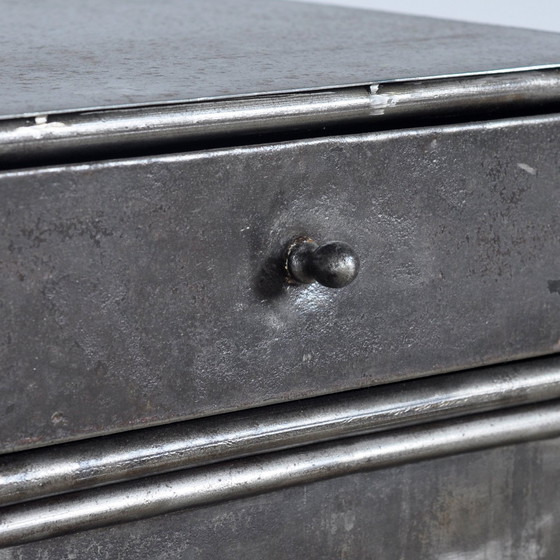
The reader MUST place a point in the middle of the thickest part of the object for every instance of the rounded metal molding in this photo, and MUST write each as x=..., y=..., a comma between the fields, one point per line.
x=334, y=264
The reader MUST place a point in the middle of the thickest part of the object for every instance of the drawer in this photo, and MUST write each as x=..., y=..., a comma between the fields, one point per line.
x=502, y=504
x=143, y=291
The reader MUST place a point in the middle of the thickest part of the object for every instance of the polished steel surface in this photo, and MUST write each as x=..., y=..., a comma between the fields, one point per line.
x=104, y=134
x=470, y=96
x=245, y=477
x=333, y=264
x=43, y=472
x=100, y=54
x=110, y=132
x=154, y=289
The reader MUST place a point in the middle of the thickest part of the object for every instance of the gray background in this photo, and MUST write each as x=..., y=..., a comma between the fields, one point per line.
x=538, y=14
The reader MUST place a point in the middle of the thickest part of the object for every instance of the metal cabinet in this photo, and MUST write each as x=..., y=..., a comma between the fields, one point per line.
x=158, y=353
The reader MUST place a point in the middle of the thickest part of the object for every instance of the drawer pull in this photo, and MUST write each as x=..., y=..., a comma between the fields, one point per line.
x=334, y=264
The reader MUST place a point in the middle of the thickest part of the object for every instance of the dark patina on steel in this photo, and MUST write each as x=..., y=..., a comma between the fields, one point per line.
x=116, y=272
x=163, y=156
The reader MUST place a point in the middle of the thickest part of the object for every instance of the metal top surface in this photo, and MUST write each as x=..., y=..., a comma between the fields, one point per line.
x=64, y=56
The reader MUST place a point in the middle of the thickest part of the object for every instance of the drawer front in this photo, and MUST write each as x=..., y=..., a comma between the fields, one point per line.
x=502, y=504
x=144, y=291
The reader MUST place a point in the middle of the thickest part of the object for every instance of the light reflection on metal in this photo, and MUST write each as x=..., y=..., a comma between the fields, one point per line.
x=99, y=133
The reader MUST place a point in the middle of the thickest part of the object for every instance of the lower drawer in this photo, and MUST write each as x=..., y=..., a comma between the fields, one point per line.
x=52, y=492
x=150, y=290
x=502, y=504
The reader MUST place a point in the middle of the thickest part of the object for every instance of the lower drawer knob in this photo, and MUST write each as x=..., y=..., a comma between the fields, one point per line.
x=334, y=264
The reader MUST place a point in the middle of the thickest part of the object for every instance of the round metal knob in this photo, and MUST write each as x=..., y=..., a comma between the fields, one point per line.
x=334, y=264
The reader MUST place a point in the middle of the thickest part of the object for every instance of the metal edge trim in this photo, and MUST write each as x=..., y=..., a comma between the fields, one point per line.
x=47, y=471
x=101, y=134
x=246, y=477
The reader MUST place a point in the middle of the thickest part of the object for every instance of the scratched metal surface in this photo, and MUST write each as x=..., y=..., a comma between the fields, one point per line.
x=500, y=504
x=62, y=55
x=144, y=291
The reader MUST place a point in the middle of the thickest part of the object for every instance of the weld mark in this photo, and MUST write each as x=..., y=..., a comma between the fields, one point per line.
x=527, y=168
